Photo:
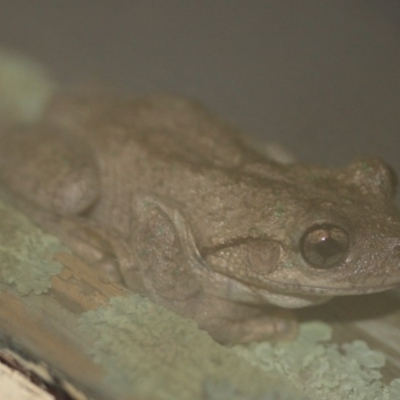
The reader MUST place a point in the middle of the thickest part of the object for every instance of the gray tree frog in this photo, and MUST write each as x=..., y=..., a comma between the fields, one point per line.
x=163, y=196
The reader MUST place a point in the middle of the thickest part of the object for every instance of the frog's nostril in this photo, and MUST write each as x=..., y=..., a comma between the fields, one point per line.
x=393, y=259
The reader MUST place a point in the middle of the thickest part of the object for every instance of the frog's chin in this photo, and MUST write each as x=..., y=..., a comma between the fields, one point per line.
x=292, y=301
x=234, y=290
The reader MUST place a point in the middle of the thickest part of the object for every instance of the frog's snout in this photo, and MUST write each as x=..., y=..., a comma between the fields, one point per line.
x=378, y=267
x=392, y=260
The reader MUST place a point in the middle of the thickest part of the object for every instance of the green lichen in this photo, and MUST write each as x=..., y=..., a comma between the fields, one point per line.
x=325, y=370
x=225, y=391
x=25, y=254
x=394, y=389
x=148, y=350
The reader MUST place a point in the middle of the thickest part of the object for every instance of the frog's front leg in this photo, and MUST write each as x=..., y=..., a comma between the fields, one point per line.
x=231, y=323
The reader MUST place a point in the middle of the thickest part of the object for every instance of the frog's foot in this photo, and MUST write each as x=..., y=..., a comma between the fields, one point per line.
x=97, y=246
x=108, y=269
x=103, y=248
x=279, y=325
x=104, y=262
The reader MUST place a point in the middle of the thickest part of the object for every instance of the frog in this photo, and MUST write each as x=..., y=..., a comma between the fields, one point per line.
x=159, y=194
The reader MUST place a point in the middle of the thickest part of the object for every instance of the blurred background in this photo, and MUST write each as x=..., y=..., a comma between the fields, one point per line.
x=321, y=77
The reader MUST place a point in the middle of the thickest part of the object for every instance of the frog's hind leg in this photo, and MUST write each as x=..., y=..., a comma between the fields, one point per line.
x=54, y=170
x=53, y=178
x=48, y=175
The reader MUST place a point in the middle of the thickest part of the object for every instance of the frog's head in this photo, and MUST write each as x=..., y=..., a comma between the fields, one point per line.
x=340, y=236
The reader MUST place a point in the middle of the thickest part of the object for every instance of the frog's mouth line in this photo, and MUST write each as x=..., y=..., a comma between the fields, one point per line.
x=269, y=285
x=299, y=289
x=293, y=289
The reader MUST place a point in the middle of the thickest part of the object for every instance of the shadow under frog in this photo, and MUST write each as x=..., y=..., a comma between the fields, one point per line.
x=167, y=198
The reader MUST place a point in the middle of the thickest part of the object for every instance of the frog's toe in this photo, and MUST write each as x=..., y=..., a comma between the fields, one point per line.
x=109, y=270
x=278, y=326
x=285, y=324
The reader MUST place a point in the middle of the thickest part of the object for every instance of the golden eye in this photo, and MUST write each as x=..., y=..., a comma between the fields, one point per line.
x=324, y=246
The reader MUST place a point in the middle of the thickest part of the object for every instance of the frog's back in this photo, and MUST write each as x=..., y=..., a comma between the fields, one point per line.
x=166, y=125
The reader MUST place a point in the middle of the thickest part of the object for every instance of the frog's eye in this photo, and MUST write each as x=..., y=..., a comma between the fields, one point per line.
x=324, y=246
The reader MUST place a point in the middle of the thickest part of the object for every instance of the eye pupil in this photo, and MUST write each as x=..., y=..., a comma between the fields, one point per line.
x=324, y=246
x=327, y=248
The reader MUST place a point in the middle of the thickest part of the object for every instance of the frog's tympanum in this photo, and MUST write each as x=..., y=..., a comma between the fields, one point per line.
x=165, y=197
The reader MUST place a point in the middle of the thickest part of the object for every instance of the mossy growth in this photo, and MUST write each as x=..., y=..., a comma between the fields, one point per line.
x=26, y=262
x=324, y=370
x=148, y=350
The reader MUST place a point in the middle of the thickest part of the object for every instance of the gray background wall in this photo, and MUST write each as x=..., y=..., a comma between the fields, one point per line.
x=322, y=77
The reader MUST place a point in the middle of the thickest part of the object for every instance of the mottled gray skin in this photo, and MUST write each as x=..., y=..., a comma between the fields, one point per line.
x=162, y=195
